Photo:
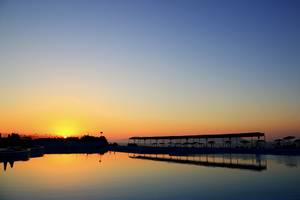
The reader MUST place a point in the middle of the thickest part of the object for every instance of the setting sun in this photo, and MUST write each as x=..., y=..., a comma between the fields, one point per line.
x=66, y=129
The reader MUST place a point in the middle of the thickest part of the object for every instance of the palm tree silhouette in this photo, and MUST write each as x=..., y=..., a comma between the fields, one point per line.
x=288, y=140
x=297, y=143
x=278, y=142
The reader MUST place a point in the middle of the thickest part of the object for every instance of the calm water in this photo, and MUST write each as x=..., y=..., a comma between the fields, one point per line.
x=128, y=176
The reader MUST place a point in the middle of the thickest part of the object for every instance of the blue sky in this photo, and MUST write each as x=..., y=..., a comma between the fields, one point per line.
x=165, y=58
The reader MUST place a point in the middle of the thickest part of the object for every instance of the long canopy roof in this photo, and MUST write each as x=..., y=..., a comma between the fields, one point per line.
x=226, y=135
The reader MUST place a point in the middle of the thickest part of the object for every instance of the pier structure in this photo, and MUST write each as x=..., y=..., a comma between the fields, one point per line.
x=228, y=140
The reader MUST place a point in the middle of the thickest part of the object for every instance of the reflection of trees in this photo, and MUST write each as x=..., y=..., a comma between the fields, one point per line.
x=11, y=163
x=277, y=143
x=297, y=143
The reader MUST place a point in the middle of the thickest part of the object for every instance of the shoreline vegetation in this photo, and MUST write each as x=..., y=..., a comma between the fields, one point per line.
x=17, y=148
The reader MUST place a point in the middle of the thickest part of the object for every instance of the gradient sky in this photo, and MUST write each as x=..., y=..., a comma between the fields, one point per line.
x=149, y=67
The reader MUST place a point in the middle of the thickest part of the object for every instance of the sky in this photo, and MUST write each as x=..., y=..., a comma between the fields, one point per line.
x=168, y=67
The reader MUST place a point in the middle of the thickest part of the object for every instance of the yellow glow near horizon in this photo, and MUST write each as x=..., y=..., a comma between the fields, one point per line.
x=66, y=129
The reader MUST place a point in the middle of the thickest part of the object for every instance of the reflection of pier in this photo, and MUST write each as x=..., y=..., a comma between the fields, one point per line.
x=247, y=162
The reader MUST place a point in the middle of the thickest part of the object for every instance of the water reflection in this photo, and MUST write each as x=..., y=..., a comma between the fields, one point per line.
x=289, y=161
x=254, y=162
x=11, y=162
x=235, y=161
x=246, y=162
x=119, y=176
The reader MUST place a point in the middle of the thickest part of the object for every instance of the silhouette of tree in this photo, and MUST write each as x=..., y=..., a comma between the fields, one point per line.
x=278, y=143
x=13, y=139
x=297, y=142
x=288, y=139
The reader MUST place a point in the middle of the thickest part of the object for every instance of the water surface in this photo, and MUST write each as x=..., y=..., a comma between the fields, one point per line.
x=131, y=176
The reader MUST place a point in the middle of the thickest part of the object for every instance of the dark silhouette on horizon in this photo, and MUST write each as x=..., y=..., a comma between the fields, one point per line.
x=56, y=143
x=16, y=148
